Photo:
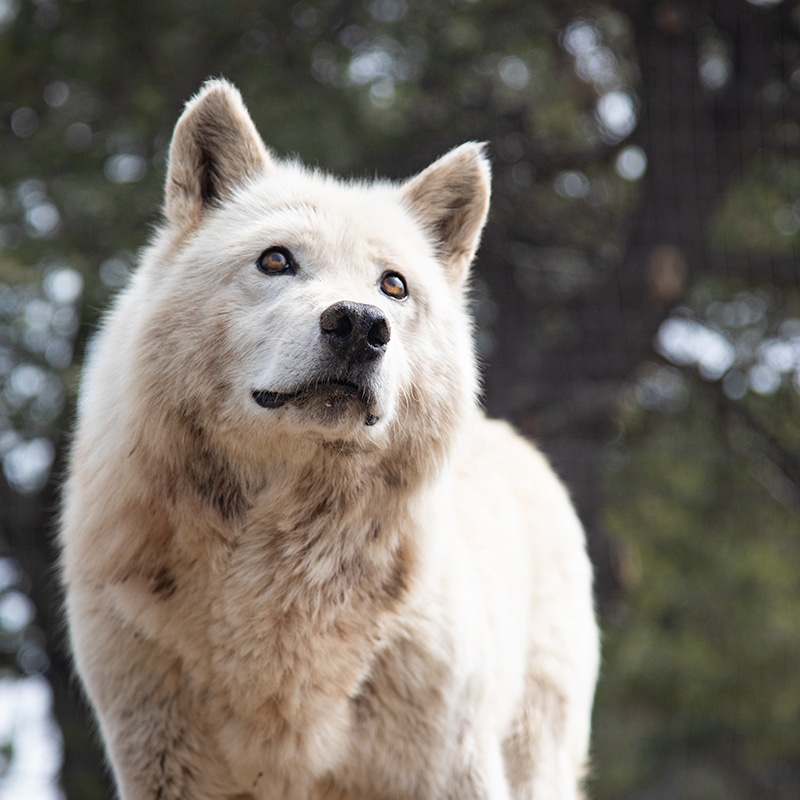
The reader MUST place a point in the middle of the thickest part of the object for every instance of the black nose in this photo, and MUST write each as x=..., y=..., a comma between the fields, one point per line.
x=355, y=332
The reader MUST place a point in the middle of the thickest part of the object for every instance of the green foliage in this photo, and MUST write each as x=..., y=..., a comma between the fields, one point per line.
x=699, y=681
x=761, y=212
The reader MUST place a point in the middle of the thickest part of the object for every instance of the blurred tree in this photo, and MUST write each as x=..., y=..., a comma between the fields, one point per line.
x=703, y=700
x=647, y=188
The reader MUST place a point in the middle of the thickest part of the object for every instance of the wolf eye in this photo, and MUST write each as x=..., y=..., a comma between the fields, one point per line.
x=393, y=285
x=275, y=260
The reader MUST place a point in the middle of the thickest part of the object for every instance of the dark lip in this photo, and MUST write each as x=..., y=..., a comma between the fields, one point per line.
x=268, y=399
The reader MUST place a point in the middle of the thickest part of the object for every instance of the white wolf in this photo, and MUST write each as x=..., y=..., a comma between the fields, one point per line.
x=299, y=561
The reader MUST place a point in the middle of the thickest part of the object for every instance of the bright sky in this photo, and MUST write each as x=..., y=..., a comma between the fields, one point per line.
x=26, y=721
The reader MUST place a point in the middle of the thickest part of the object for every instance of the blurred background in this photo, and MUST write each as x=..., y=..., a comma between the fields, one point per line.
x=637, y=294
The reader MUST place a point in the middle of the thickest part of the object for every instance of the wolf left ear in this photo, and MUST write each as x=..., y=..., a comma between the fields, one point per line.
x=451, y=199
x=214, y=149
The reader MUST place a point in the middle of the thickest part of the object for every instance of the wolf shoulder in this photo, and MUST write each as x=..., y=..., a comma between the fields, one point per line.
x=525, y=547
x=504, y=478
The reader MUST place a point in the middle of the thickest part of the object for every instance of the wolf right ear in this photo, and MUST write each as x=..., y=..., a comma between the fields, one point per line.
x=451, y=200
x=214, y=149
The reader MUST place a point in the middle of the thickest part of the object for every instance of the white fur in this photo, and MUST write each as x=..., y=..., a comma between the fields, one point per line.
x=288, y=602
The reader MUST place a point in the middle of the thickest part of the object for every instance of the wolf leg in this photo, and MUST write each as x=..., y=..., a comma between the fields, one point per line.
x=482, y=776
x=144, y=706
x=543, y=754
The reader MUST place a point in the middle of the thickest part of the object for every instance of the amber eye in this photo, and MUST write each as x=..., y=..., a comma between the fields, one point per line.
x=275, y=260
x=393, y=285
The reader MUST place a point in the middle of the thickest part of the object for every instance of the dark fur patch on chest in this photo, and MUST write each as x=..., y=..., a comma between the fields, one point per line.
x=362, y=705
x=207, y=472
x=164, y=584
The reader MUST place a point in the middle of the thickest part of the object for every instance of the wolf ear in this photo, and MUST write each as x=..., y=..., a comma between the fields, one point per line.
x=215, y=148
x=451, y=199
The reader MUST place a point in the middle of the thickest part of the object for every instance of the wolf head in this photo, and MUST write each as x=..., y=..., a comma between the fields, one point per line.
x=278, y=301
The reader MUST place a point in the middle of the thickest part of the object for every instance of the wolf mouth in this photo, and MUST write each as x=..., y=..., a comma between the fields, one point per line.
x=329, y=392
